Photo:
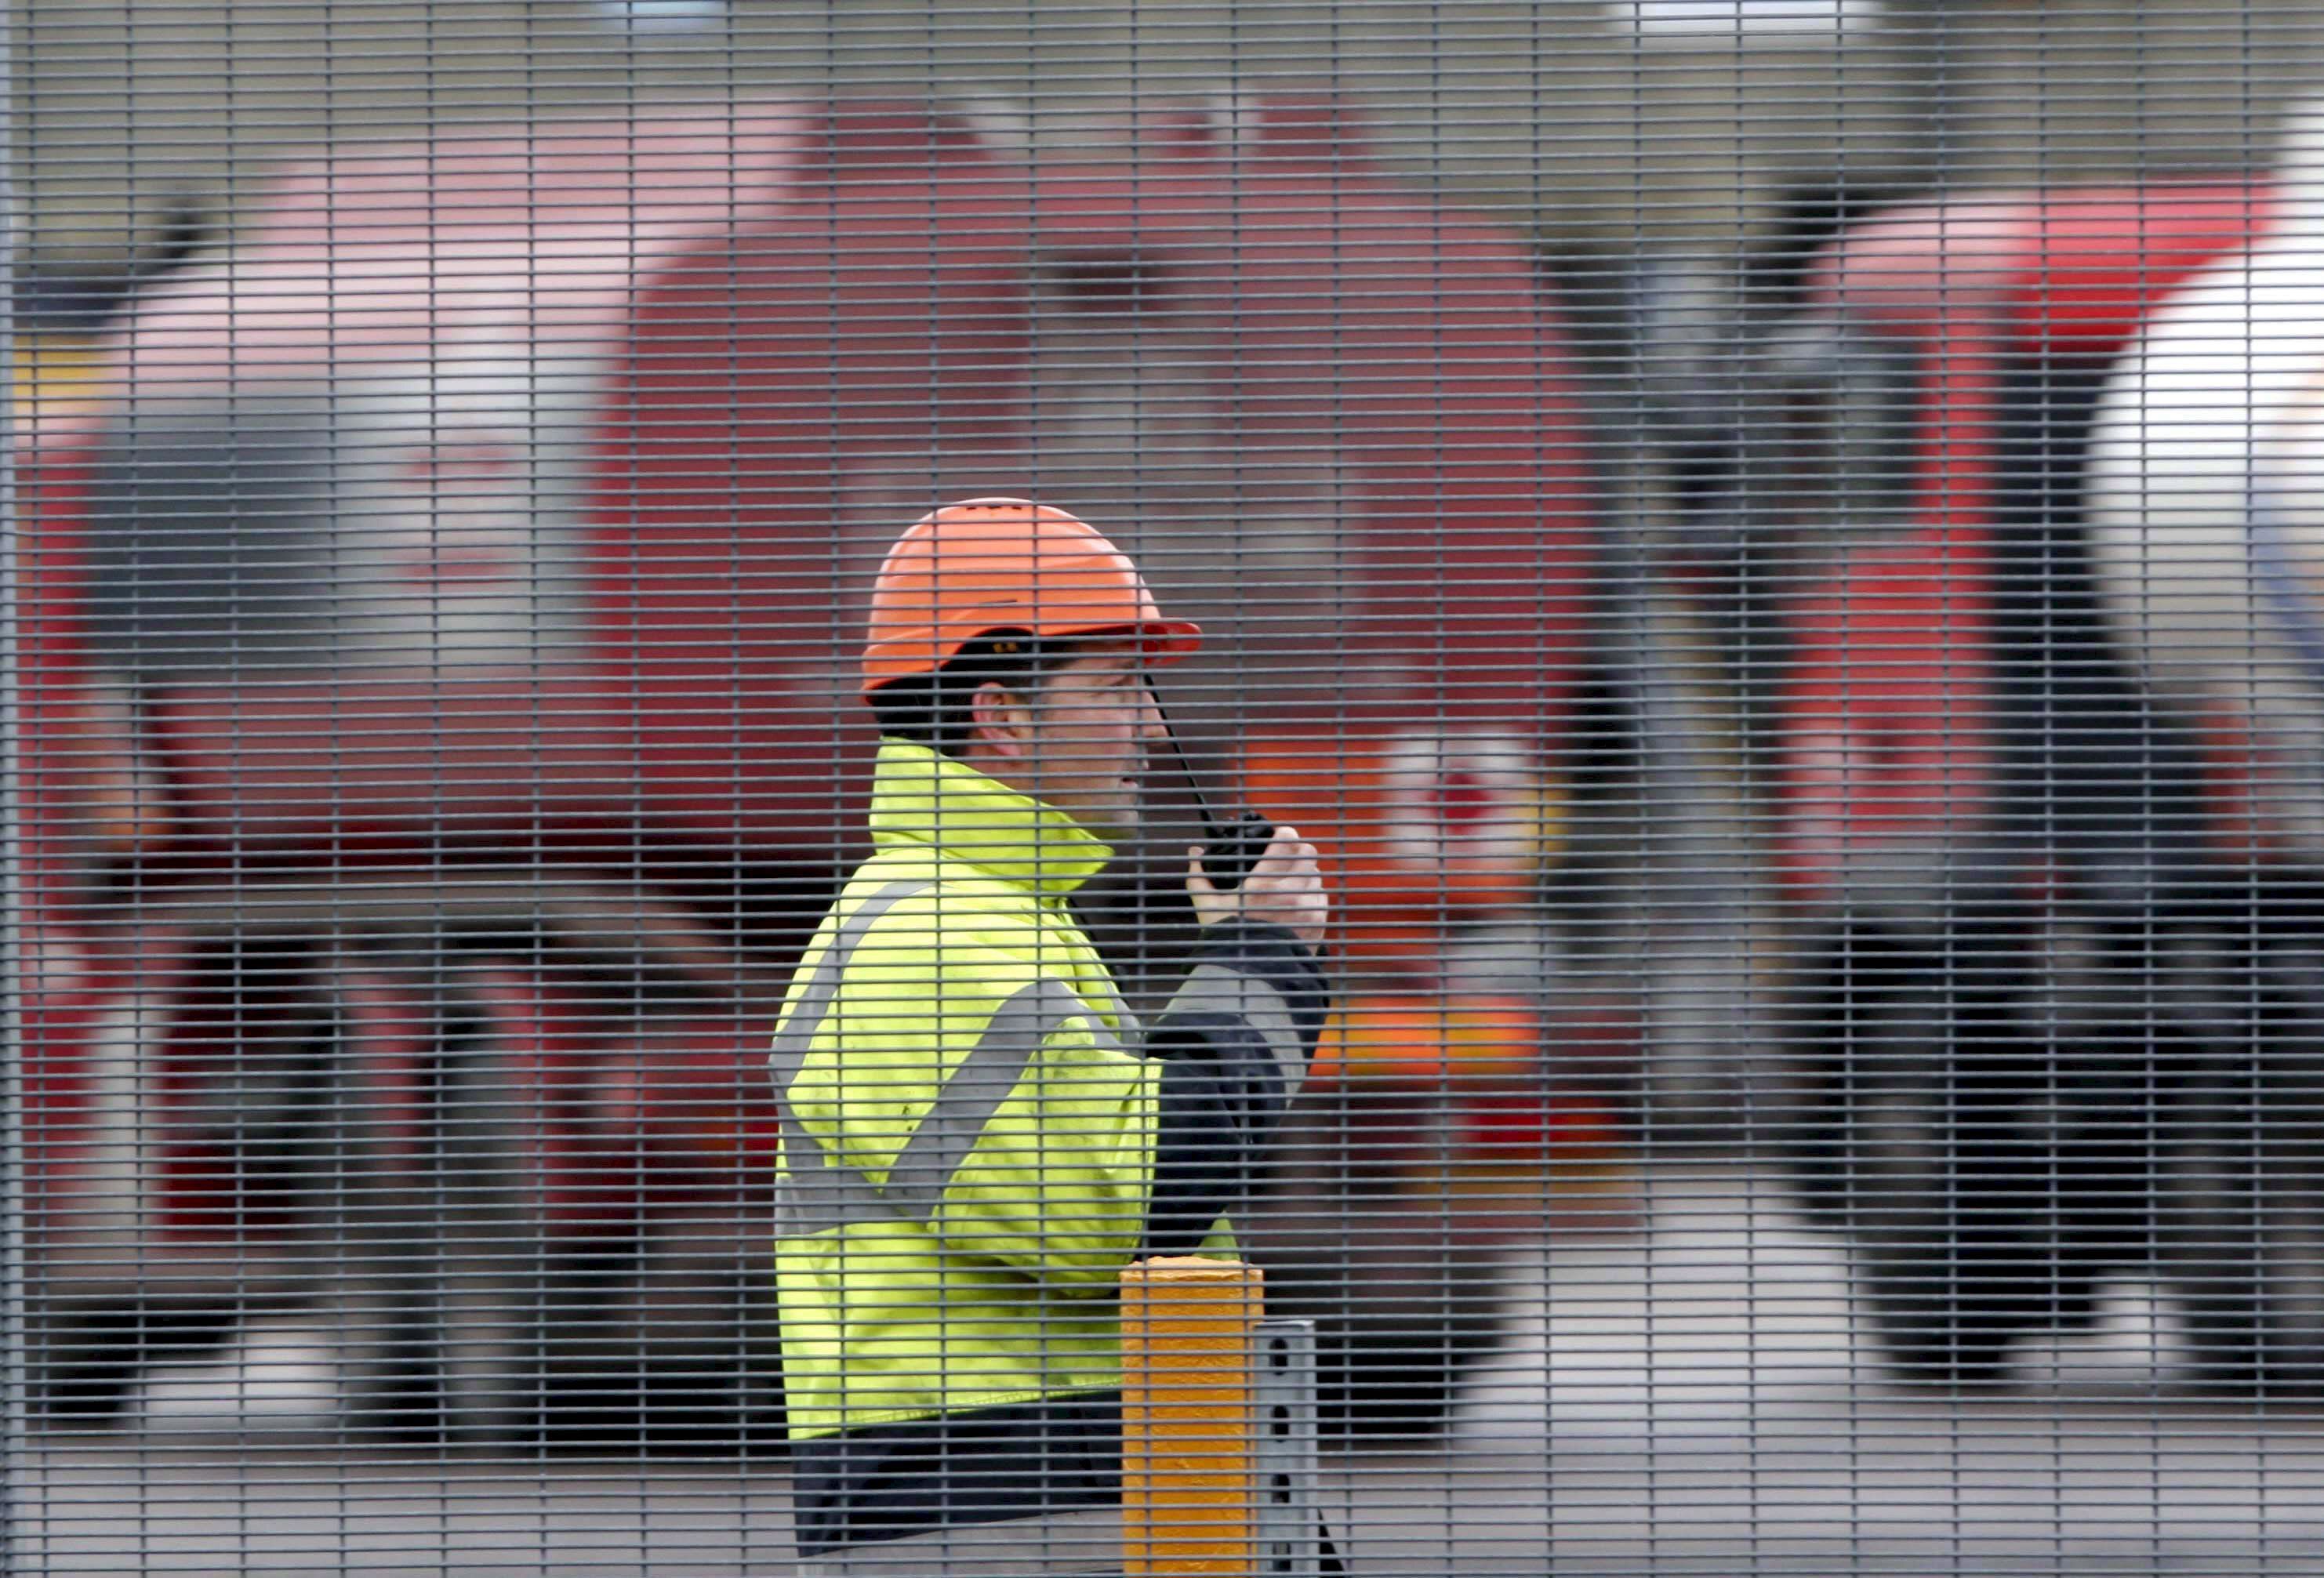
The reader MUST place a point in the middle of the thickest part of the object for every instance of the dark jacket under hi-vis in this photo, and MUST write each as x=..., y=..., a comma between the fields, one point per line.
x=977, y=1136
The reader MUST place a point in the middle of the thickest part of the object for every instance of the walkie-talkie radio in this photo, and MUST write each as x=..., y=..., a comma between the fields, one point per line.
x=1231, y=847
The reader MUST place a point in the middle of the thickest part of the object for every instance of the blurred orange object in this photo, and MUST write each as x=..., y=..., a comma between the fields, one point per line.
x=1413, y=1036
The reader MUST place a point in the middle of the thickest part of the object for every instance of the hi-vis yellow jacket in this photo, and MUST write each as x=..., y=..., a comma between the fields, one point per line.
x=977, y=1135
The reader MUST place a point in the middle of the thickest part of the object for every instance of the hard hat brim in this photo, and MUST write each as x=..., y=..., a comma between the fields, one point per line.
x=1164, y=641
x=1168, y=640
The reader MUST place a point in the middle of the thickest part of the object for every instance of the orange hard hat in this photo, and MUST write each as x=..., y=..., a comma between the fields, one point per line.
x=988, y=565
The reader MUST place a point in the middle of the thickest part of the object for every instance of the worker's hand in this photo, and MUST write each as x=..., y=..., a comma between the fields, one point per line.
x=1284, y=888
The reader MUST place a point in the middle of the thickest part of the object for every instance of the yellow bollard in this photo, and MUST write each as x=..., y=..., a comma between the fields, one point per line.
x=1187, y=1464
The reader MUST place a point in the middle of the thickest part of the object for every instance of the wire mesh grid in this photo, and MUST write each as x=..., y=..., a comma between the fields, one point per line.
x=1249, y=787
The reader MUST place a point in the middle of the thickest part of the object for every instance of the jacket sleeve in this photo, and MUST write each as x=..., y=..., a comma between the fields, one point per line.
x=1234, y=1045
x=1015, y=1124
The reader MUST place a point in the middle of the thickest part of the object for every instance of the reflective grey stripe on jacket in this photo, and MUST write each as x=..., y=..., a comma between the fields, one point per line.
x=822, y=1192
x=1216, y=989
x=819, y=1192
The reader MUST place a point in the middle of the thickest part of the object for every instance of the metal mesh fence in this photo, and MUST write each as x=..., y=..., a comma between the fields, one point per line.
x=1237, y=788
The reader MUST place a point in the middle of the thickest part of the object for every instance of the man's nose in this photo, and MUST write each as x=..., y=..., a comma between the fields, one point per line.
x=1150, y=725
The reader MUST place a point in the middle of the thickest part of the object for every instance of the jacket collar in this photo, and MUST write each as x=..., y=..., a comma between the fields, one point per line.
x=920, y=796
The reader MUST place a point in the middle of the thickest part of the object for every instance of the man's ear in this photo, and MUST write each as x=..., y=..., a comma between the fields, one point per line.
x=1001, y=722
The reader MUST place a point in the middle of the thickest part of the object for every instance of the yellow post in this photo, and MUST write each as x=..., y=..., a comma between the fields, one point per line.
x=1187, y=1465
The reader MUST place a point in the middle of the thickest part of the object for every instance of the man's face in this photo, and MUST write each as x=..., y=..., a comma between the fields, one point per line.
x=1080, y=743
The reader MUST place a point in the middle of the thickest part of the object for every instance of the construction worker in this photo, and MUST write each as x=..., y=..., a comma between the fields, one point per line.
x=977, y=1135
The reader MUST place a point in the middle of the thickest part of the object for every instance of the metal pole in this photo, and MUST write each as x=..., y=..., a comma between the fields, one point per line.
x=1285, y=1451
x=1692, y=893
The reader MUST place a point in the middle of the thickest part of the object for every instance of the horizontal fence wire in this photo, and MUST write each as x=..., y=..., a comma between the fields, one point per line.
x=1084, y=789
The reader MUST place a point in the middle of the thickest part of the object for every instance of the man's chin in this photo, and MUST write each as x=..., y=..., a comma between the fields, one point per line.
x=1112, y=819
x=1125, y=823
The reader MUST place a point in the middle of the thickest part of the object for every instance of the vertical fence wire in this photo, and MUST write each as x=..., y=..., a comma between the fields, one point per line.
x=602, y=723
